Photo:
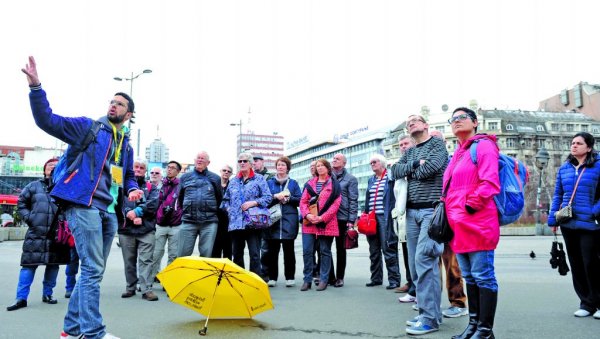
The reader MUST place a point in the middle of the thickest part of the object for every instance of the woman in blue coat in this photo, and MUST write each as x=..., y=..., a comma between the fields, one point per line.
x=286, y=193
x=582, y=231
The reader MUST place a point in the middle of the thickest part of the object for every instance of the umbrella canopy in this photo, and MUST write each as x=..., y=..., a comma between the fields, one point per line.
x=216, y=288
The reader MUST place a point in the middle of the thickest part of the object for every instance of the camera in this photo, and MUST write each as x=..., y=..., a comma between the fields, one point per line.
x=167, y=210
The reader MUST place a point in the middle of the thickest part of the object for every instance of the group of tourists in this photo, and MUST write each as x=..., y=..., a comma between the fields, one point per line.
x=102, y=190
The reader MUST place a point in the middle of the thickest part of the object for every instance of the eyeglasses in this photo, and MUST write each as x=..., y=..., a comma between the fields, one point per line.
x=414, y=120
x=117, y=103
x=242, y=161
x=172, y=167
x=373, y=162
x=460, y=117
x=154, y=172
x=225, y=171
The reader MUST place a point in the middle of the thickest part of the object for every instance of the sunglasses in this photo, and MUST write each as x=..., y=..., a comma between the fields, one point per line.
x=242, y=161
x=154, y=172
x=225, y=171
x=460, y=117
x=373, y=162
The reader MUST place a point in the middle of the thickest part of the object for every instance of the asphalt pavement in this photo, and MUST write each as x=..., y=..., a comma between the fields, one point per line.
x=534, y=302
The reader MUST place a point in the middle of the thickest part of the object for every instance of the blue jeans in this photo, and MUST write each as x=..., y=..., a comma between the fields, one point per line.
x=71, y=271
x=206, y=232
x=94, y=231
x=309, y=241
x=26, y=278
x=424, y=256
x=478, y=269
x=239, y=239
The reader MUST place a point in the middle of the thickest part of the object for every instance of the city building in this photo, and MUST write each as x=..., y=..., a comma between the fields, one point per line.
x=270, y=146
x=157, y=152
x=583, y=97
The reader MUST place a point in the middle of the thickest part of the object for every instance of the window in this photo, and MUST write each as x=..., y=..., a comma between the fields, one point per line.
x=539, y=128
x=441, y=128
x=570, y=127
x=585, y=128
x=509, y=127
x=511, y=142
x=541, y=143
x=492, y=126
x=554, y=127
x=596, y=130
x=527, y=143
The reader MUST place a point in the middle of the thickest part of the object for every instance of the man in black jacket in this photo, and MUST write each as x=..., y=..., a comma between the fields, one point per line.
x=136, y=237
x=200, y=196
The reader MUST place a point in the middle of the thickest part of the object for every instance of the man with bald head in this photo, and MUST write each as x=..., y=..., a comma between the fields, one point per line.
x=200, y=193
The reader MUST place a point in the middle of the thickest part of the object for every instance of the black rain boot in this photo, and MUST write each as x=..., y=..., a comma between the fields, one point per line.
x=473, y=301
x=488, y=300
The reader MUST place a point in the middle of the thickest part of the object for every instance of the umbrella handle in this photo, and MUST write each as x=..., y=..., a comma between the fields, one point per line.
x=202, y=332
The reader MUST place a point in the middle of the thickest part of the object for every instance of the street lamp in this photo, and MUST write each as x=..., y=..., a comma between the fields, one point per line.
x=130, y=79
x=541, y=161
x=239, y=150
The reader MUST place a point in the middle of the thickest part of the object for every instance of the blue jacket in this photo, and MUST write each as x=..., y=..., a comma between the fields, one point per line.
x=287, y=226
x=389, y=201
x=586, y=205
x=200, y=195
x=86, y=180
x=238, y=192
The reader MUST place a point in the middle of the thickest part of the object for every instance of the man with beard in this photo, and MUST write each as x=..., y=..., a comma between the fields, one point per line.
x=90, y=184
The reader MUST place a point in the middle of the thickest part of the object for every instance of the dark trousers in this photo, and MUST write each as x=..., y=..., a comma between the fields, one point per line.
x=289, y=258
x=454, y=283
x=239, y=239
x=379, y=247
x=340, y=253
x=583, y=250
x=222, y=246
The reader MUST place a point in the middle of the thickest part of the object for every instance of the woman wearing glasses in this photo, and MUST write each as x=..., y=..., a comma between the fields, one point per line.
x=283, y=232
x=247, y=190
x=222, y=247
x=380, y=198
x=470, y=189
x=319, y=222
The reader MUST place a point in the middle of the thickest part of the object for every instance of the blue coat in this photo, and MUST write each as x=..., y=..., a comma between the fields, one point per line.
x=255, y=189
x=389, y=201
x=586, y=205
x=287, y=226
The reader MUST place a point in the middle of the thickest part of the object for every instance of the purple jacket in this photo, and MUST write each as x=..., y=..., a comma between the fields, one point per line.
x=169, y=213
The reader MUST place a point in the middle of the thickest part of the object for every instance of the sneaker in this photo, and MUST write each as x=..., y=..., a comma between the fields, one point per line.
x=420, y=328
x=597, y=314
x=580, y=313
x=150, y=296
x=415, y=307
x=407, y=298
x=455, y=312
x=128, y=294
x=413, y=321
x=290, y=283
x=272, y=283
x=110, y=336
x=64, y=335
x=68, y=294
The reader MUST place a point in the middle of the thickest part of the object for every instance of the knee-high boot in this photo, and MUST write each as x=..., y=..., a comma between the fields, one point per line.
x=488, y=300
x=473, y=301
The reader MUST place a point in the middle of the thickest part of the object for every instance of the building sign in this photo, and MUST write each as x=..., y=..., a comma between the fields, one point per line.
x=297, y=142
x=350, y=134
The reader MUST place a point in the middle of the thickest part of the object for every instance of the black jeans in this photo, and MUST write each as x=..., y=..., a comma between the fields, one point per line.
x=289, y=258
x=340, y=253
x=239, y=239
x=583, y=250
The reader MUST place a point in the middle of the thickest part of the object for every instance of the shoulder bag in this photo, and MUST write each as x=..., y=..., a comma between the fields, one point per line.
x=439, y=229
x=565, y=214
x=257, y=217
x=367, y=222
x=275, y=210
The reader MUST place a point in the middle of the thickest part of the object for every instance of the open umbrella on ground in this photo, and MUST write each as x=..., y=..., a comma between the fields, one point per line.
x=216, y=288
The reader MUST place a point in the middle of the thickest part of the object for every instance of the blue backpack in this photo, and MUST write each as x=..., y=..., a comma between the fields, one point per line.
x=513, y=176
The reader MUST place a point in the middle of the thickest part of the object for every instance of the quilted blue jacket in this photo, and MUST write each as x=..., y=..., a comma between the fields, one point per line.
x=586, y=203
x=238, y=192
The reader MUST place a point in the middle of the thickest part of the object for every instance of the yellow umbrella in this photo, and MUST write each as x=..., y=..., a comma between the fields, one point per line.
x=216, y=288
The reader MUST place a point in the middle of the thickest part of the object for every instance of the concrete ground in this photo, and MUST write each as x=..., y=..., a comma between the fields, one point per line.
x=534, y=302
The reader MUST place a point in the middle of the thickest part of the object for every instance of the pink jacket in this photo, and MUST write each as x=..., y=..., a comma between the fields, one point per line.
x=329, y=217
x=475, y=186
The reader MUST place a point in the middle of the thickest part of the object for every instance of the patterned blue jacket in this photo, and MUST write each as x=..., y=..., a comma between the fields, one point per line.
x=238, y=192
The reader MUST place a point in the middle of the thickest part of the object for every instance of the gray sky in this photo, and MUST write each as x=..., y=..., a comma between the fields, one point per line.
x=304, y=67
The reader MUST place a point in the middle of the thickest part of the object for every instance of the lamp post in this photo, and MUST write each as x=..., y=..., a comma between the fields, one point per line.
x=541, y=160
x=239, y=149
x=130, y=79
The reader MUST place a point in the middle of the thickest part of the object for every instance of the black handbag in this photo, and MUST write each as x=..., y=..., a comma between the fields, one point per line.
x=439, y=229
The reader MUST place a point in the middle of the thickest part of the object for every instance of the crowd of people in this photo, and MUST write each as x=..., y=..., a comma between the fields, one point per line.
x=102, y=190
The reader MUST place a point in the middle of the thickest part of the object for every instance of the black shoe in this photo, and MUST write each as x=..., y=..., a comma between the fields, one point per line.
x=371, y=284
x=392, y=287
x=68, y=294
x=49, y=300
x=20, y=303
x=128, y=294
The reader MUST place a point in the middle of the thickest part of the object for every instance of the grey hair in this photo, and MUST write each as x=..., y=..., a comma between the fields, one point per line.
x=381, y=159
x=404, y=136
x=141, y=161
x=247, y=155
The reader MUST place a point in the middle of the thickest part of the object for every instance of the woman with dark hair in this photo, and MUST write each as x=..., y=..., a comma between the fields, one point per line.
x=286, y=192
x=319, y=224
x=473, y=216
x=38, y=210
x=578, y=180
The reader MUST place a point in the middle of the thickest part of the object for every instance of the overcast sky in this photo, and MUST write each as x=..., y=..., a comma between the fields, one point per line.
x=304, y=67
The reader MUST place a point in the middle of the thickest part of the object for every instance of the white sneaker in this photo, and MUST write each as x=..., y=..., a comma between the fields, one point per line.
x=110, y=336
x=407, y=298
x=415, y=307
x=413, y=321
x=580, y=313
x=272, y=283
x=455, y=312
x=597, y=314
x=290, y=283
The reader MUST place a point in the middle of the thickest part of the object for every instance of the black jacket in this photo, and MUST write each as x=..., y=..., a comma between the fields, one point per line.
x=200, y=196
x=38, y=209
x=145, y=208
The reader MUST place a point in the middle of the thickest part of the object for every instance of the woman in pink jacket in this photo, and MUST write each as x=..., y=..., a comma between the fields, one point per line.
x=473, y=217
x=320, y=228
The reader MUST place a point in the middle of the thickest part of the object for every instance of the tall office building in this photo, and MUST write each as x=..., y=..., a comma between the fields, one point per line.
x=157, y=151
x=270, y=146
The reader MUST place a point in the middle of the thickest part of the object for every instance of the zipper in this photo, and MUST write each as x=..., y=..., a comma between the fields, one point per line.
x=99, y=176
